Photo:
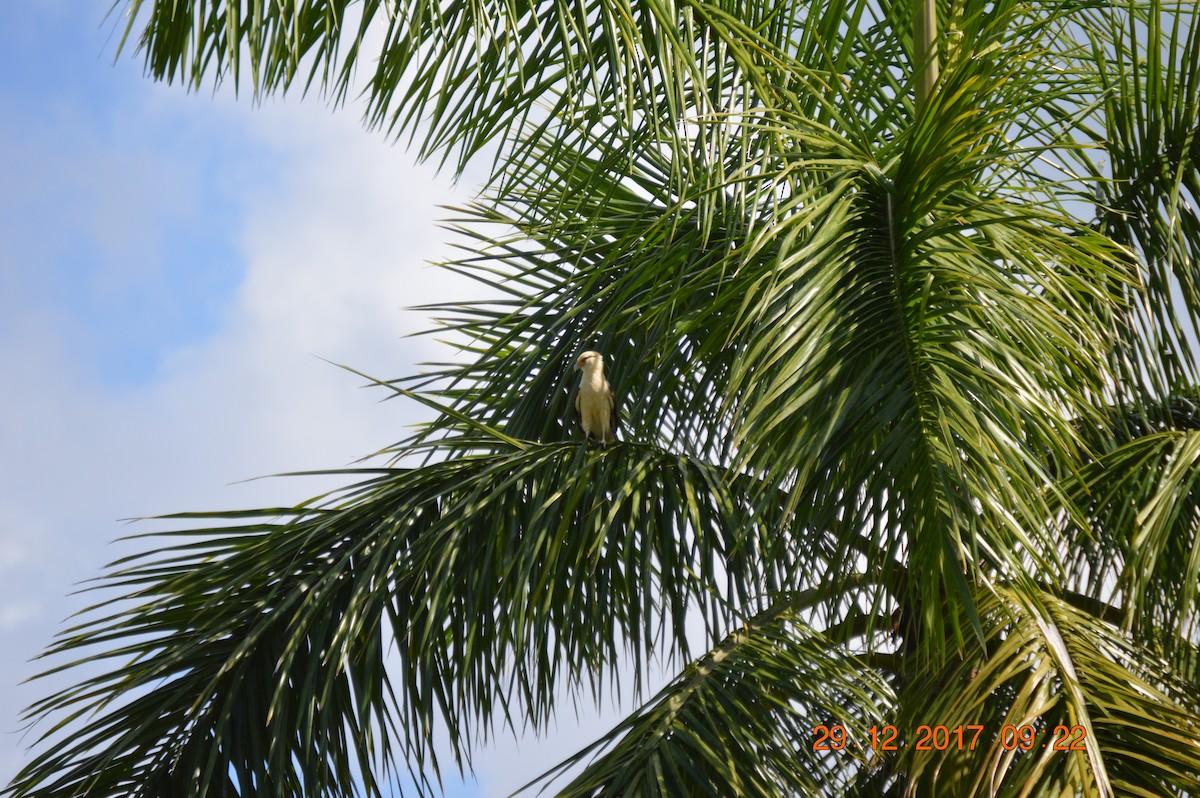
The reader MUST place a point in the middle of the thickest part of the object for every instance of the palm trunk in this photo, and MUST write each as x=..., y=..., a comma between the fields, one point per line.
x=925, y=48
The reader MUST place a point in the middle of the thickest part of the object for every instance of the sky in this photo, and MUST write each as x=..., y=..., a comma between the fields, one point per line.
x=175, y=270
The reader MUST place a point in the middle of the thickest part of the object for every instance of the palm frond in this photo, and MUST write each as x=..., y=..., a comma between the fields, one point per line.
x=1139, y=549
x=1102, y=715
x=740, y=720
x=496, y=577
x=899, y=336
x=1145, y=171
x=473, y=73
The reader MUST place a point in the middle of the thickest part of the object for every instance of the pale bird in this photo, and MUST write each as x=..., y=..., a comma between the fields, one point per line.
x=594, y=403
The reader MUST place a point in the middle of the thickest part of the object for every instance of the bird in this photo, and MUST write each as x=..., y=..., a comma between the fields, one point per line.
x=595, y=406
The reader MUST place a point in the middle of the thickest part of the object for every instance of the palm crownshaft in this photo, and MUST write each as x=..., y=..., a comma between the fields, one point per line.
x=910, y=434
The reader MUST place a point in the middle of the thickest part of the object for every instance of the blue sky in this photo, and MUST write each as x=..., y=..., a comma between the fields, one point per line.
x=173, y=267
x=110, y=200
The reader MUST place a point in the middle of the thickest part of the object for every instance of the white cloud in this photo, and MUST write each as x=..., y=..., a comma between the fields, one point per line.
x=332, y=251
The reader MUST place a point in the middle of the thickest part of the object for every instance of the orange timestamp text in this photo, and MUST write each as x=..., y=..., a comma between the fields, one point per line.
x=956, y=738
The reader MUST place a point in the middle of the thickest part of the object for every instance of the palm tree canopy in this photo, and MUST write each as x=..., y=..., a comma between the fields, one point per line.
x=910, y=419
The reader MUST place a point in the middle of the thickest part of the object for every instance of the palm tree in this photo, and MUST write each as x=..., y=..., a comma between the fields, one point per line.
x=910, y=422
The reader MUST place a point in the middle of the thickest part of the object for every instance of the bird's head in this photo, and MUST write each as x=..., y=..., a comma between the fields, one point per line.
x=589, y=361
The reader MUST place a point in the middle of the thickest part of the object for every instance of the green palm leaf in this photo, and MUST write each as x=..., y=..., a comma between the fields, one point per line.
x=740, y=720
x=1129, y=725
x=240, y=631
x=1139, y=549
x=1145, y=171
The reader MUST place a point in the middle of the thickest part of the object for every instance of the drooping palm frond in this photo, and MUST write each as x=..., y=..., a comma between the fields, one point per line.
x=1144, y=168
x=497, y=578
x=470, y=73
x=741, y=720
x=1139, y=551
x=1102, y=715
